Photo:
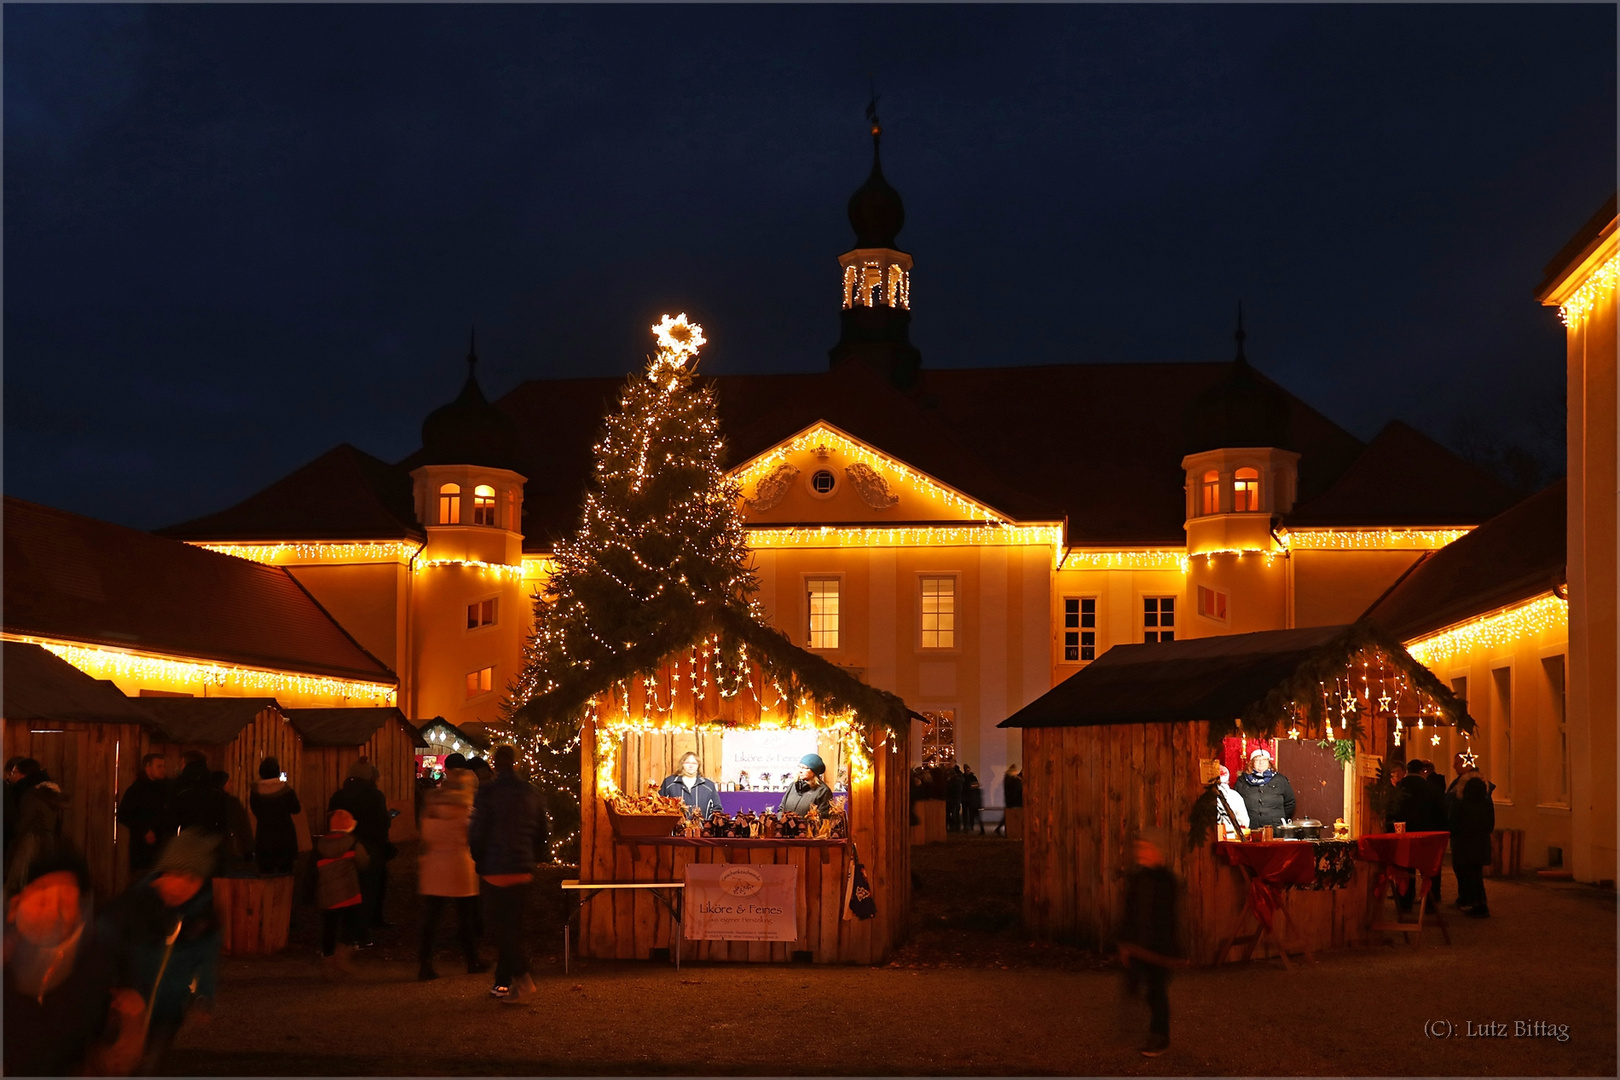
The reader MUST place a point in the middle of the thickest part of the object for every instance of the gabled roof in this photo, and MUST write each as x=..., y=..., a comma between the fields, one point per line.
x=346, y=727
x=345, y=494
x=1512, y=557
x=1404, y=477
x=477, y=740
x=41, y=686
x=205, y=721
x=77, y=579
x=1212, y=679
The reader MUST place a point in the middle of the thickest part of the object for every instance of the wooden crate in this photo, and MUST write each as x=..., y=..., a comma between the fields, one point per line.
x=254, y=914
x=629, y=826
x=1507, y=850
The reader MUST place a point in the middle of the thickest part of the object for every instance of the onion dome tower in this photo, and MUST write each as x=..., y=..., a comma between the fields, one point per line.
x=876, y=317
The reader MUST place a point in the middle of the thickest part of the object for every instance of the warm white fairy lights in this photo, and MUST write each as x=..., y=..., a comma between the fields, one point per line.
x=1598, y=284
x=678, y=337
x=153, y=670
x=1371, y=539
x=1207, y=554
x=511, y=571
x=318, y=551
x=1100, y=559
x=988, y=534
x=1509, y=625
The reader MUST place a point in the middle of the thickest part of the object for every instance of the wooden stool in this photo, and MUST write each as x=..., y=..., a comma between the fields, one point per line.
x=254, y=914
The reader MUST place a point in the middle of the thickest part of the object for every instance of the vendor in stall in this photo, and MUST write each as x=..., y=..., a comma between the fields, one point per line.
x=808, y=789
x=695, y=790
x=1266, y=792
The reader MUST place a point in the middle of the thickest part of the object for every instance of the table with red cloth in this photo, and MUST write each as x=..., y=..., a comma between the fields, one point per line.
x=1405, y=859
x=1269, y=868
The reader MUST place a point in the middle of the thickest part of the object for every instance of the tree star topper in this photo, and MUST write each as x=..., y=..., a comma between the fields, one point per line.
x=678, y=338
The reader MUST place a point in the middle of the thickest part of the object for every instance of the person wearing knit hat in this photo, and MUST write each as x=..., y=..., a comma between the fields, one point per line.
x=275, y=809
x=807, y=790
x=361, y=797
x=340, y=863
x=165, y=938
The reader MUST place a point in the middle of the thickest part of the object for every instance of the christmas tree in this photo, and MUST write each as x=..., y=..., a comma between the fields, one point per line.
x=660, y=549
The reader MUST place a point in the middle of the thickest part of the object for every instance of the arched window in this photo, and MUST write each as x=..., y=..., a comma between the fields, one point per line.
x=1211, y=488
x=1246, y=490
x=450, y=504
x=484, y=505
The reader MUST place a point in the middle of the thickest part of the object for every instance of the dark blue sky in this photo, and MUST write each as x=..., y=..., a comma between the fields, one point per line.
x=238, y=235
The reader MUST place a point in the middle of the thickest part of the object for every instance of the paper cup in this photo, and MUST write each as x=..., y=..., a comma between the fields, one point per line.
x=1400, y=826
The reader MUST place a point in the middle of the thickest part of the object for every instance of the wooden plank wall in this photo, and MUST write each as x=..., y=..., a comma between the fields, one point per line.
x=391, y=749
x=1087, y=790
x=614, y=925
x=92, y=763
x=268, y=734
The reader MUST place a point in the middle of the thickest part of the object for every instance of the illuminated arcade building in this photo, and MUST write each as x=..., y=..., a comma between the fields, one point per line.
x=965, y=538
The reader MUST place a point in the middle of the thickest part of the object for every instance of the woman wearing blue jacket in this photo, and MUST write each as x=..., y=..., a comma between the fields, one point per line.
x=691, y=787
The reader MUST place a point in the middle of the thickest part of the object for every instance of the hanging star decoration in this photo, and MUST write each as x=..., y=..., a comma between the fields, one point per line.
x=1293, y=733
x=1434, y=739
x=1469, y=760
x=1383, y=702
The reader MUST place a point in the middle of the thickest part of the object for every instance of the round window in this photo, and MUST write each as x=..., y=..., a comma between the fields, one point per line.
x=822, y=482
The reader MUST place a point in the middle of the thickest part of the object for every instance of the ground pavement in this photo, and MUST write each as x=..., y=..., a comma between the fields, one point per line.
x=967, y=996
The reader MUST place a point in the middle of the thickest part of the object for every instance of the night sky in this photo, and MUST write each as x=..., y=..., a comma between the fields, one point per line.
x=236, y=236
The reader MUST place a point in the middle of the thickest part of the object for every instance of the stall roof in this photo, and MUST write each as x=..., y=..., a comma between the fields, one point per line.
x=205, y=721
x=478, y=740
x=1214, y=678
x=42, y=686
x=346, y=727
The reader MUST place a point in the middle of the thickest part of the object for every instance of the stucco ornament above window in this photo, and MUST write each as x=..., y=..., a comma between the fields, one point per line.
x=870, y=486
x=773, y=488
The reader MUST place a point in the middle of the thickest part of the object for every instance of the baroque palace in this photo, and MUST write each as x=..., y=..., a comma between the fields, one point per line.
x=964, y=538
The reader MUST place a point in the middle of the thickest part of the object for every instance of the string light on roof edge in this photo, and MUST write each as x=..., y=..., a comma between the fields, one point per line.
x=1585, y=298
x=1545, y=613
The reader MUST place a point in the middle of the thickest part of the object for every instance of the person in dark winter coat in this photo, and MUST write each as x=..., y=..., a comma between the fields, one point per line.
x=200, y=803
x=1266, y=793
x=340, y=866
x=274, y=802
x=144, y=811
x=1473, y=819
x=37, y=832
x=972, y=801
x=508, y=836
x=809, y=789
x=237, y=848
x=1421, y=808
x=687, y=784
x=361, y=797
x=954, y=785
x=164, y=938
x=58, y=980
x=1013, y=797
x=1149, y=939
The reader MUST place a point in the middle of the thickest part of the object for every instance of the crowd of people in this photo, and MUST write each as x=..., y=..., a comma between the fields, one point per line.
x=105, y=992
x=1424, y=802
x=959, y=788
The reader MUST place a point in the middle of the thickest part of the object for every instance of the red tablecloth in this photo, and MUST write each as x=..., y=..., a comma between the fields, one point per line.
x=1420, y=851
x=1276, y=865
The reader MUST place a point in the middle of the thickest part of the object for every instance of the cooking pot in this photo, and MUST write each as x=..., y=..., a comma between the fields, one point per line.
x=1308, y=829
x=1285, y=831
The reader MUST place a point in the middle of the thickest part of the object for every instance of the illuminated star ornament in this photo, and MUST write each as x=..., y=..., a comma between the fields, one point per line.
x=1469, y=760
x=678, y=340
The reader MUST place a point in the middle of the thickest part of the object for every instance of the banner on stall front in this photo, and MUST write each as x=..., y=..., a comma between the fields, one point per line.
x=773, y=754
x=740, y=902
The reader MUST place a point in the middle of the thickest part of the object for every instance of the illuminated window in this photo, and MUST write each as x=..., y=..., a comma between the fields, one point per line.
x=1158, y=618
x=450, y=504
x=823, y=481
x=1212, y=492
x=1245, y=490
x=871, y=285
x=939, y=738
x=1079, y=628
x=822, y=593
x=899, y=292
x=849, y=285
x=481, y=681
x=939, y=613
x=1211, y=603
x=484, y=505
x=481, y=614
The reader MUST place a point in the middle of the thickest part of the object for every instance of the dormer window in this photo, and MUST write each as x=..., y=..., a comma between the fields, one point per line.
x=1211, y=488
x=484, y=505
x=450, y=504
x=1245, y=490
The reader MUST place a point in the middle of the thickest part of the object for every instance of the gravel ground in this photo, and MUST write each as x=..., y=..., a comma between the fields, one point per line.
x=968, y=995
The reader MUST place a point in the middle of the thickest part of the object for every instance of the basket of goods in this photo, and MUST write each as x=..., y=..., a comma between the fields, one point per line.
x=644, y=815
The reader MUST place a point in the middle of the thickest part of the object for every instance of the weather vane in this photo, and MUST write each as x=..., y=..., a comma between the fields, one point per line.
x=871, y=111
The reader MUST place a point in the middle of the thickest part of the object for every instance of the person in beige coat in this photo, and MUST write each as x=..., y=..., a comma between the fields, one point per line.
x=445, y=870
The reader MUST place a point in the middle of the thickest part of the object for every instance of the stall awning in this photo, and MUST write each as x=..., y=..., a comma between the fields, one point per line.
x=1220, y=679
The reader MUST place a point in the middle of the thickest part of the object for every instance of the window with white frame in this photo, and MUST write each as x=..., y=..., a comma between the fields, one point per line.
x=1158, y=618
x=821, y=595
x=484, y=505
x=482, y=613
x=1245, y=490
x=939, y=738
x=1212, y=603
x=1210, y=489
x=1079, y=629
x=939, y=613
x=450, y=504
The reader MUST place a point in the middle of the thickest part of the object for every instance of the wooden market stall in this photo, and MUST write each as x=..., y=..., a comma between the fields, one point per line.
x=234, y=734
x=637, y=724
x=1133, y=741
x=335, y=738
x=89, y=737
